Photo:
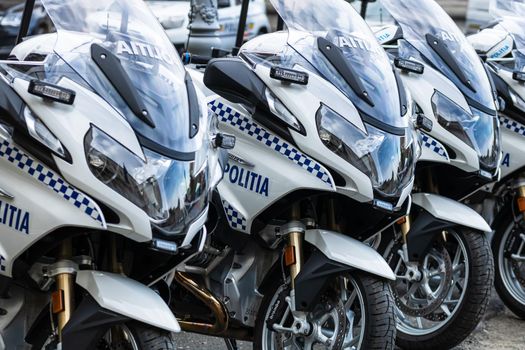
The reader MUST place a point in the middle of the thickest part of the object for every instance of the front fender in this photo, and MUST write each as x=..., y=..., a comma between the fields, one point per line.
x=350, y=252
x=449, y=210
x=128, y=298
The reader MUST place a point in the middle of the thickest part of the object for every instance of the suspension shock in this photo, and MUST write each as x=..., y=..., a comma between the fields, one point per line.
x=404, y=224
x=62, y=299
x=293, y=256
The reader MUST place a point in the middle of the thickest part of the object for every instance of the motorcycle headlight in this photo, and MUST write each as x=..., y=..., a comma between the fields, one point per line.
x=388, y=159
x=477, y=129
x=173, y=193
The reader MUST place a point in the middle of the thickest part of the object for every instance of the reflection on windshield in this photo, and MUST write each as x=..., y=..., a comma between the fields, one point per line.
x=129, y=30
x=340, y=24
x=417, y=19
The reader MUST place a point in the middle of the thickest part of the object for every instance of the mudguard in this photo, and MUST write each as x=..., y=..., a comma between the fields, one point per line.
x=350, y=252
x=129, y=298
x=449, y=210
x=434, y=214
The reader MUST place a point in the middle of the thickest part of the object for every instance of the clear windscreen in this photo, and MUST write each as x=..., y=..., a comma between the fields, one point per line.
x=515, y=26
x=424, y=19
x=338, y=23
x=129, y=31
x=503, y=8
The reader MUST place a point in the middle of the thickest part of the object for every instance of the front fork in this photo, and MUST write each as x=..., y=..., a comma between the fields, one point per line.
x=63, y=298
x=63, y=272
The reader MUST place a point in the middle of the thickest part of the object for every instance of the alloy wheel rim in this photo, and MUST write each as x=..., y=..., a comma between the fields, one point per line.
x=423, y=325
x=507, y=267
x=351, y=308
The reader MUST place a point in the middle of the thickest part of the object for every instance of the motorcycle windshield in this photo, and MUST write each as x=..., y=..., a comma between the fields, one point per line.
x=359, y=67
x=431, y=31
x=504, y=8
x=144, y=79
x=515, y=26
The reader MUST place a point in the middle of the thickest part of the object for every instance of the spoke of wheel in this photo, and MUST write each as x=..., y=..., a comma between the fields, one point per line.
x=411, y=290
x=445, y=309
x=457, y=256
x=419, y=322
x=350, y=300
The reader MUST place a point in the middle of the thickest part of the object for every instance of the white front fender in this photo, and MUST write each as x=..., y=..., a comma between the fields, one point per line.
x=349, y=251
x=450, y=210
x=129, y=298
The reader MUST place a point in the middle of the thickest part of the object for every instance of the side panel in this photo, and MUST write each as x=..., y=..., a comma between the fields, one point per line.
x=37, y=201
x=513, y=145
x=71, y=124
x=129, y=298
x=351, y=252
x=446, y=209
x=432, y=150
x=262, y=167
x=422, y=87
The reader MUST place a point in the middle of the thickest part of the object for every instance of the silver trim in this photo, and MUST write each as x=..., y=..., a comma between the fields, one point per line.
x=5, y=194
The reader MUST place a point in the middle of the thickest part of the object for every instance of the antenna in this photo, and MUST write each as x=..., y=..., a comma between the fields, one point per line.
x=364, y=7
x=26, y=20
x=242, y=25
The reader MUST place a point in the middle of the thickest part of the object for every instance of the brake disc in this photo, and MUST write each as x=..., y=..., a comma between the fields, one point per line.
x=335, y=309
x=434, y=304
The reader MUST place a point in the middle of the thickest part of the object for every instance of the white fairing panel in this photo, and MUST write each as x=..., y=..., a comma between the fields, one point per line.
x=494, y=43
x=422, y=87
x=351, y=252
x=128, y=298
x=262, y=167
x=449, y=210
x=512, y=145
x=72, y=123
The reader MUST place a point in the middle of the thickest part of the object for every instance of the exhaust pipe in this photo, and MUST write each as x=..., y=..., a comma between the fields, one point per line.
x=219, y=311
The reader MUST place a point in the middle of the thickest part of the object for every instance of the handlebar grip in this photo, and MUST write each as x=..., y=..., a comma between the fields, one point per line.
x=188, y=58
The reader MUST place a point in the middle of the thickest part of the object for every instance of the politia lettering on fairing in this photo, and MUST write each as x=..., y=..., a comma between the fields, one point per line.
x=506, y=160
x=247, y=179
x=14, y=217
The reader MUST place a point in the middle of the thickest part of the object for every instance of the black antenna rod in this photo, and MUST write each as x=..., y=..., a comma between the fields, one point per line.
x=364, y=7
x=26, y=20
x=280, y=22
x=242, y=24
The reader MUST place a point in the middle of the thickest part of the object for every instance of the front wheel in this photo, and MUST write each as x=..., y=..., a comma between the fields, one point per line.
x=127, y=336
x=508, y=247
x=441, y=299
x=355, y=312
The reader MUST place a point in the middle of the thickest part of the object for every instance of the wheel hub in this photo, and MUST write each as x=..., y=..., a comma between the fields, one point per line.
x=325, y=325
x=425, y=285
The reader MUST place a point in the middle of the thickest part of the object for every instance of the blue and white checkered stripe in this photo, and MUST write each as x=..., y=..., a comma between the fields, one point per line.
x=229, y=115
x=512, y=125
x=434, y=145
x=236, y=219
x=50, y=179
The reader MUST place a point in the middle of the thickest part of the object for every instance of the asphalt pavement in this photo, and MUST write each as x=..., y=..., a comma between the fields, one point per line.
x=499, y=330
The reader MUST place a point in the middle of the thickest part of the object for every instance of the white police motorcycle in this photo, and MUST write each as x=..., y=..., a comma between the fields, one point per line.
x=323, y=154
x=107, y=166
x=444, y=270
x=502, y=46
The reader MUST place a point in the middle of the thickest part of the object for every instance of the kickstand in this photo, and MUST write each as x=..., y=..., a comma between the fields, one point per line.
x=231, y=344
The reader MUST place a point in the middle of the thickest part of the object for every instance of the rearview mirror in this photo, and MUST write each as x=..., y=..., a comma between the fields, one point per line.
x=232, y=79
